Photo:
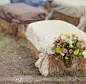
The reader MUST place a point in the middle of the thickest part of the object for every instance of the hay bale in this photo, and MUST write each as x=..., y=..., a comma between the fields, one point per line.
x=55, y=67
x=69, y=19
x=60, y=16
x=48, y=6
x=6, y=26
x=33, y=50
x=42, y=45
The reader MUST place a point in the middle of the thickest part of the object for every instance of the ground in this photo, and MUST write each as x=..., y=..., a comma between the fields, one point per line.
x=15, y=58
x=17, y=64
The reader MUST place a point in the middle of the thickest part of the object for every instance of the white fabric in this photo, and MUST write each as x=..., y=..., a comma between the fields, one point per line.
x=74, y=8
x=3, y=2
x=42, y=35
x=43, y=64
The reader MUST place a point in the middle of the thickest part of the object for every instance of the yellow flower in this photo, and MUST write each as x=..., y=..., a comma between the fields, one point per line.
x=76, y=52
x=79, y=53
x=66, y=58
x=61, y=34
x=66, y=35
x=76, y=35
x=70, y=46
x=58, y=49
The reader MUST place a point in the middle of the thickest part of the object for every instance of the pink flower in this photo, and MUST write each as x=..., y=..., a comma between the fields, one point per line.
x=82, y=41
x=64, y=40
x=73, y=36
x=65, y=51
x=59, y=37
x=70, y=50
x=60, y=42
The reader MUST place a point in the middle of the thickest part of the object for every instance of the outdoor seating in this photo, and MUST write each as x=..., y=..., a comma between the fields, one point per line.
x=72, y=11
x=19, y=14
x=41, y=36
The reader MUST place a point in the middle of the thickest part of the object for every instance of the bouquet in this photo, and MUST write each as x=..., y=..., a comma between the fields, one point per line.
x=68, y=48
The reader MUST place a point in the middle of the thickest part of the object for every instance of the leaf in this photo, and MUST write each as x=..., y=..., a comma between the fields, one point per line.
x=68, y=37
x=79, y=44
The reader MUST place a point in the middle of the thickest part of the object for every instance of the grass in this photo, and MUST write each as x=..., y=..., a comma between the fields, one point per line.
x=15, y=57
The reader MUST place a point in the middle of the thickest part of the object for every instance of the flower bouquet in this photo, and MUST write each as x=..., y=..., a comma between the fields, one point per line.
x=68, y=48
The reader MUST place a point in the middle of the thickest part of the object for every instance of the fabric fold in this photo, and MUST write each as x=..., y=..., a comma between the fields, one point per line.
x=82, y=23
x=43, y=64
x=14, y=26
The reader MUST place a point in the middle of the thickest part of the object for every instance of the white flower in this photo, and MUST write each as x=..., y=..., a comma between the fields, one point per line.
x=84, y=54
x=63, y=37
x=62, y=53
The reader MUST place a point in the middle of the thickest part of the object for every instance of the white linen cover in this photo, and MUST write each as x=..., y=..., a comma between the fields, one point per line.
x=42, y=35
x=74, y=8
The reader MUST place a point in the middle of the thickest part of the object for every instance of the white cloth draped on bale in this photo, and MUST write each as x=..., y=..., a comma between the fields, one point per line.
x=42, y=35
x=73, y=8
